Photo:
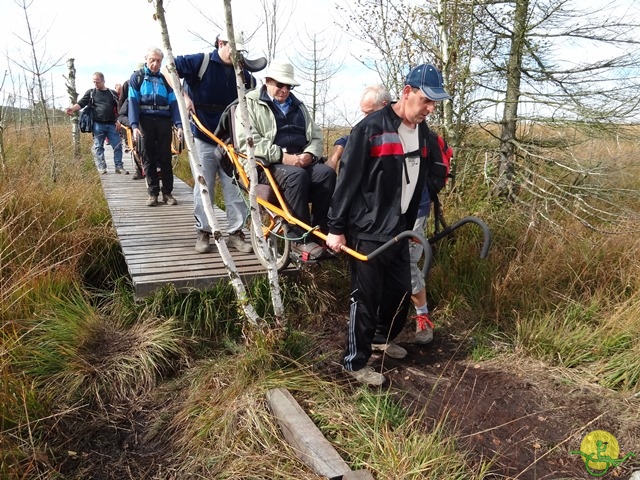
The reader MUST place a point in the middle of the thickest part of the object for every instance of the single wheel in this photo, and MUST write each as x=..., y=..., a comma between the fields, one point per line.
x=275, y=231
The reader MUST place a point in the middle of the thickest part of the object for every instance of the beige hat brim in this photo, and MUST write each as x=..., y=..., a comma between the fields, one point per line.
x=282, y=78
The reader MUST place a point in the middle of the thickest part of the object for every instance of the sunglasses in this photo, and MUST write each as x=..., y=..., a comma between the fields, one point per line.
x=282, y=85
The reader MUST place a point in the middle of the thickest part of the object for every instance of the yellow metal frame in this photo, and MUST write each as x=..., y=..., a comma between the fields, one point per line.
x=129, y=139
x=274, y=210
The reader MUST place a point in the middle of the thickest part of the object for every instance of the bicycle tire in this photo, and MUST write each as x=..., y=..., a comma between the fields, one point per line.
x=276, y=239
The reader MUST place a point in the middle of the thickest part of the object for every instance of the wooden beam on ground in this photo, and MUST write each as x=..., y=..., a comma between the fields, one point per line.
x=306, y=439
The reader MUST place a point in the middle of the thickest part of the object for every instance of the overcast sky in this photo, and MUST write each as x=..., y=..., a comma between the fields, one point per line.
x=112, y=36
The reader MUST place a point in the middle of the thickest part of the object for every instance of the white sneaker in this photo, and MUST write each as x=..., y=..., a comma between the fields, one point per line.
x=368, y=376
x=390, y=349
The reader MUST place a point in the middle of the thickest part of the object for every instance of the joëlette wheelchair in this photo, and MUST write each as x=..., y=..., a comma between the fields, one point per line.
x=276, y=219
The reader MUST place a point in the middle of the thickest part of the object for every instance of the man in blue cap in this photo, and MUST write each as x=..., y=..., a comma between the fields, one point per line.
x=382, y=176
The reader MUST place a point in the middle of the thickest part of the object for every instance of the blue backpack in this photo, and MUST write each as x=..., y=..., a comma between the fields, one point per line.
x=86, y=116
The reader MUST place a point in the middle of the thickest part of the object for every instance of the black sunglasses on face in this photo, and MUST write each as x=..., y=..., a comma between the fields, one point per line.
x=282, y=85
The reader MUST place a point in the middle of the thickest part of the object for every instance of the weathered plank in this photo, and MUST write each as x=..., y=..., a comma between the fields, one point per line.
x=306, y=439
x=158, y=242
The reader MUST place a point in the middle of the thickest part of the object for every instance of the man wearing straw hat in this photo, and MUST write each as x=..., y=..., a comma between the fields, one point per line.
x=287, y=139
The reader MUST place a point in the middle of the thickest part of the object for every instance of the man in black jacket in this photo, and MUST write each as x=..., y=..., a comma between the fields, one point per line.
x=104, y=104
x=382, y=176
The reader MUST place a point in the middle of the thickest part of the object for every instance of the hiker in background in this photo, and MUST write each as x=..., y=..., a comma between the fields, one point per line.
x=152, y=108
x=103, y=103
x=118, y=89
x=209, y=87
x=373, y=99
x=288, y=140
x=123, y=118
x=382, y=176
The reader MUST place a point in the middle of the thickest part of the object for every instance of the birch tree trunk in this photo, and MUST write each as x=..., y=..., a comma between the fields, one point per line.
x=198, y=176
x=73, y=99
x=256, y=224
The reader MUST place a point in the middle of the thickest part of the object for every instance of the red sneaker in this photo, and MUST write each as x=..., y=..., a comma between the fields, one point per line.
x=424, y=328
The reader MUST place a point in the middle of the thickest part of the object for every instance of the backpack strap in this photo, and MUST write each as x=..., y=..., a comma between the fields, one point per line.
x=203, y=66
x=140, y=75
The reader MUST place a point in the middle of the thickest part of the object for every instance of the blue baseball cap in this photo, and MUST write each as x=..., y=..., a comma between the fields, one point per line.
x=428, y=78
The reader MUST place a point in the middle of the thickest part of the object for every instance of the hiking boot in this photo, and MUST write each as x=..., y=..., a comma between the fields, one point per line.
x=236, y=240
x=424, y=328
x=122, y=171
x=168, y=199
x=390, y=349
x=103, y=171
x=308, y=251
x=202, y=243
x=152, y=201
x=137, y=175
x=368, y=376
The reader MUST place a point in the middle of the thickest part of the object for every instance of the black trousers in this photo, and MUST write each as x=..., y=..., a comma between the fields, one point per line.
x=156, y=138
x=380, y=297
x=300, y=186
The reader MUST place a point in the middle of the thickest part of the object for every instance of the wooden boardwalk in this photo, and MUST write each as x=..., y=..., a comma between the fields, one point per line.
x=158, y=242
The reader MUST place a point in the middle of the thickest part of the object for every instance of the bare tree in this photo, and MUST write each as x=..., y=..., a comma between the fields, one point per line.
x=38, y=68
x=256, y=223
x=198, y=176
x=217, y=27
x=276, y=18
x=73, y=99
x=317, y=66
x=504, y=56
x=594, y=94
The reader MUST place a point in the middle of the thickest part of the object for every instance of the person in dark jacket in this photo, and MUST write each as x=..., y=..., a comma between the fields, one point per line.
x=381, y=179
x=152, y=109
x=210, y=85
x=103, y=101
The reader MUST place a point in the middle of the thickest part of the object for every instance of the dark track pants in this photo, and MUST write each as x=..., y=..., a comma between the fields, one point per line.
x=381, y=292
x=156, y=136
x=300, y=186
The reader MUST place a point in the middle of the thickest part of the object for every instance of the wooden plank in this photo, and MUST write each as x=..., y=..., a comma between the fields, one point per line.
x=158, y=242
x=358, y=475
x=307, y=441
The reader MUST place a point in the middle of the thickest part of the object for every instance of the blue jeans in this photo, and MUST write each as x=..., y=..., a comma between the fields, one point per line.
x=100, y=132
x=235, y=207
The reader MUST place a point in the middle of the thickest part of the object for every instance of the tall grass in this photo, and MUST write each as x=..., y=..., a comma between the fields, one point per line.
x=223, y=429
x=100, y=360
x=74, y=345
